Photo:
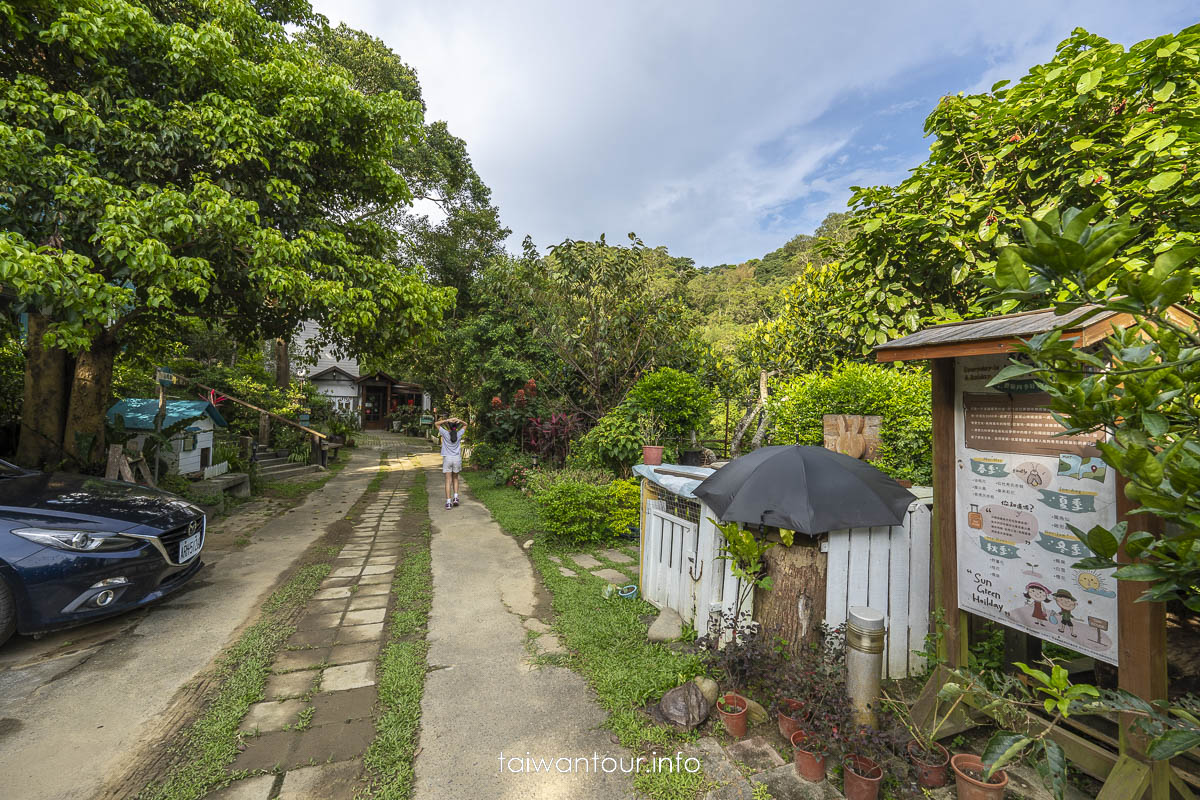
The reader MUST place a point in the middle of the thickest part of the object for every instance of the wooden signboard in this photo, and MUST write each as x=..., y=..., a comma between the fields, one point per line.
x=852, y=434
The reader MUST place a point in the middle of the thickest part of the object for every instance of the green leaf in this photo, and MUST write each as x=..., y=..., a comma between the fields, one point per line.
x=1011, y=272
x=1101, y=542
x=1172, y=743
x=1054, y=768
x=1081, y=144
x=1165, y=91
x=1164, y=180
x=1010, y=372
x=1089, y=81
x=1140, y=572
x=1002, y=748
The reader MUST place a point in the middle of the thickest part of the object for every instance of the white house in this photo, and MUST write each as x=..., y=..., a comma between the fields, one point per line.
x=191, y=448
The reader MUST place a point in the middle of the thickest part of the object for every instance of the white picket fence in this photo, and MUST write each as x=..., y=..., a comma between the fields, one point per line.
x=887, y=569
x=681, y=570
x=216, y=470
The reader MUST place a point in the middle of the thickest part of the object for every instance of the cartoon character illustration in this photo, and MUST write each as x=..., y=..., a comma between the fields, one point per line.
x=1066, y=604
x=1037, y=594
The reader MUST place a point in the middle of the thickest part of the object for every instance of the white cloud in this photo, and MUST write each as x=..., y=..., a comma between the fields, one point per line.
x=697, y=124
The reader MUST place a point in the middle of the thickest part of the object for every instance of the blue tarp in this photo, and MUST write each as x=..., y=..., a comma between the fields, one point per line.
x=139, y=412
x=674, y=483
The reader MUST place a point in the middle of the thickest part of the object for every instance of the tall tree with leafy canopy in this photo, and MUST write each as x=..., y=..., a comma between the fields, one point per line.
x=1097, y=124
x=161, y=160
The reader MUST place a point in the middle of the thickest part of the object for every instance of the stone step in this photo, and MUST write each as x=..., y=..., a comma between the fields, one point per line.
x=272, y=461
x=283, y=471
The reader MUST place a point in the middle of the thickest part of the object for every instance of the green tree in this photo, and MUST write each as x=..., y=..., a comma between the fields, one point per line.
x=167, y=160
x=1099, y=123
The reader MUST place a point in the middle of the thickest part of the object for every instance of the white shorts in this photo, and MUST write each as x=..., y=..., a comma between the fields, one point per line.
x=451, y=463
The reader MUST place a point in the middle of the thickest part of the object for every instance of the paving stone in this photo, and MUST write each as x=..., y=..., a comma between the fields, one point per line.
x=266, y=752
x=257, y=788
x=291, y=684
x=566, y=573
x=616, y=556
x=364, y=590
x=311, y=622
x=365, y=616
x=331, y=606
x=586, y=561
x=755, y=753
x=348, y=676
x=330, y=583
x=369, y=579
x=350, y=653
x=338, y=742
x=332, y=594
x=345, y=572
x=341, y=563
x=784, y=784
x=382, y=561
x=555, y=559
x=360, y=633
x=549, y=645
x=331, y=707
x=318, y=637
x=337, y=781
x=290, y=660
x=612, y=576
x=536, y=625
x=369, y=601
x=378, y=569
x=272, y=715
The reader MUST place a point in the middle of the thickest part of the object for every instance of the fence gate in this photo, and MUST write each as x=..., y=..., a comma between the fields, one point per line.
x=888, y=570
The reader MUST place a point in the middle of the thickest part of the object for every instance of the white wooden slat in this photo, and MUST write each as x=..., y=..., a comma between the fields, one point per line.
x=860, y=564
x=837, y=578
x=920, y=559
x=877, y=571
x=896, y=661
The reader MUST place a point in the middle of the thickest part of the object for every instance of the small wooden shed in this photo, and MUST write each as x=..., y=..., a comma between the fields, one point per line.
x=192, y=448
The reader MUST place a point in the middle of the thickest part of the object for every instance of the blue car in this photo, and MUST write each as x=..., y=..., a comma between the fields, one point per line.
x=75, y=548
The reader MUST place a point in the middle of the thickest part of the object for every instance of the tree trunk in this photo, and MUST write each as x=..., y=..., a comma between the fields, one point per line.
x=735, y=445
x=744, y=425
x=91, y=393
x=283, y=369
x=763, y=423
x=44, y=405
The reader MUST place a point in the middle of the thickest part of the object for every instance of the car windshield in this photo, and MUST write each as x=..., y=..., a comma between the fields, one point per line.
x=7, y=470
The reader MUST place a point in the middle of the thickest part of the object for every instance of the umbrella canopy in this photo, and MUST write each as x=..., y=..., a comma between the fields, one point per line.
x=804, y=488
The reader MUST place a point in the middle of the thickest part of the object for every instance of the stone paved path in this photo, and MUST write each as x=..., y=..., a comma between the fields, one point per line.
x=483, y=698
x=316, y=720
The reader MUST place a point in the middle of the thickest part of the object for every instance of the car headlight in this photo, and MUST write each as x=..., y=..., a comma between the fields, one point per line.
x=77, y=541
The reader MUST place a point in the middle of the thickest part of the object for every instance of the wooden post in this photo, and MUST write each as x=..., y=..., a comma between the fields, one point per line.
x=264, y=429
x=1141, y=647
x=953, y=649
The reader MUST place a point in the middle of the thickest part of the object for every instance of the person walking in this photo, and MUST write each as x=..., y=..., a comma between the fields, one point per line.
x=450, y=431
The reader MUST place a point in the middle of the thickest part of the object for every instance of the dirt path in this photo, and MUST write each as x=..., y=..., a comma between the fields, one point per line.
x=483, y=698
x=73, y=717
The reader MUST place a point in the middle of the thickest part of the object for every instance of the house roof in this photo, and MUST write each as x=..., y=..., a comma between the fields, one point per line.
x=331, y=372
x=1000, y=334
x=381, y=376
x=139, y=412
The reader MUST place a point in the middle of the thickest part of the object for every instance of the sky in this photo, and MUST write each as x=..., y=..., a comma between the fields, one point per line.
x=718, y=129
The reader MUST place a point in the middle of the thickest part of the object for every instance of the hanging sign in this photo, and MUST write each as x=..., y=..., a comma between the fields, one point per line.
x=1021, y=486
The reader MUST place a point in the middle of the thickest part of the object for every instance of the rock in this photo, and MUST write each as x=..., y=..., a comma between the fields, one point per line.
x=528, y=544
x=708, y=687
x=667, y=628
x=755, y=714
x=684, y=707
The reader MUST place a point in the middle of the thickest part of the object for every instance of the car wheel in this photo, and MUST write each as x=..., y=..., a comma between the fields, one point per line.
x=8, y=612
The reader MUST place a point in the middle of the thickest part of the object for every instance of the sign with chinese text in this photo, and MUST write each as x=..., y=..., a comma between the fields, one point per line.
x=1020, y=489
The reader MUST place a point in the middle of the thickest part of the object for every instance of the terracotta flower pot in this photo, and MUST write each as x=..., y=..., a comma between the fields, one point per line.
x=651, y=455
x=735, y=721
x=968, y=777
x=809, y=765
x=790, y=717
x=931, y=767
x=861, y=778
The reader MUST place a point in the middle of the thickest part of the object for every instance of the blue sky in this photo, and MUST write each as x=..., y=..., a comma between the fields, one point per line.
x=717, y=129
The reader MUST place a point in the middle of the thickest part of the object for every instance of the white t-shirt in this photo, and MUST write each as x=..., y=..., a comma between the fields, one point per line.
x=451, y=449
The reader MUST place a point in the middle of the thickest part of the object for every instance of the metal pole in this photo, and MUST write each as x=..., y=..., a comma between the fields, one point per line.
x=865, y=634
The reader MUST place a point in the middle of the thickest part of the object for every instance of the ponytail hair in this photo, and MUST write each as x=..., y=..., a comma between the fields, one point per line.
x=453, y=426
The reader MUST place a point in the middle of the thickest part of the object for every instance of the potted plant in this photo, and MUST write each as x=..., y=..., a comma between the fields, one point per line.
x=972, y=781
x=810, y=750
x=791, y=715
x=652, y=432
x=732, y=708
x=928, y=757
x=861, y=777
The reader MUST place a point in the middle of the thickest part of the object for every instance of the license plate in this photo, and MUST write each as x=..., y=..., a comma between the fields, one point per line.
x=189, y=548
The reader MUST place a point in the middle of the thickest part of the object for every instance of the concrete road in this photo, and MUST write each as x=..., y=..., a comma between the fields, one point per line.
x=76, y=707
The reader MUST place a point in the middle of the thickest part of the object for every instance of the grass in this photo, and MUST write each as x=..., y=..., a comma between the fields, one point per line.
x=211, y=742
x=402, y=664
x=289, y=490
x=608, y=645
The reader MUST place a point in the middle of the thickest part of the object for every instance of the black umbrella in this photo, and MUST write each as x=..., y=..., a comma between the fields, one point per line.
x=804, y=488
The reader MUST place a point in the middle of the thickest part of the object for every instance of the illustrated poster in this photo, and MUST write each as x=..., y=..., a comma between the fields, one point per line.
x=1019, y=488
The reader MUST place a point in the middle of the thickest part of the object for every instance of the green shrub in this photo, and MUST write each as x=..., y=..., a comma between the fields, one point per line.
x=575, y=511
x=901, y=396
x=485, y=455
x=513, y=469
x=175, y=484
x=614, y=443
x=676, y=399
x=626, y=498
